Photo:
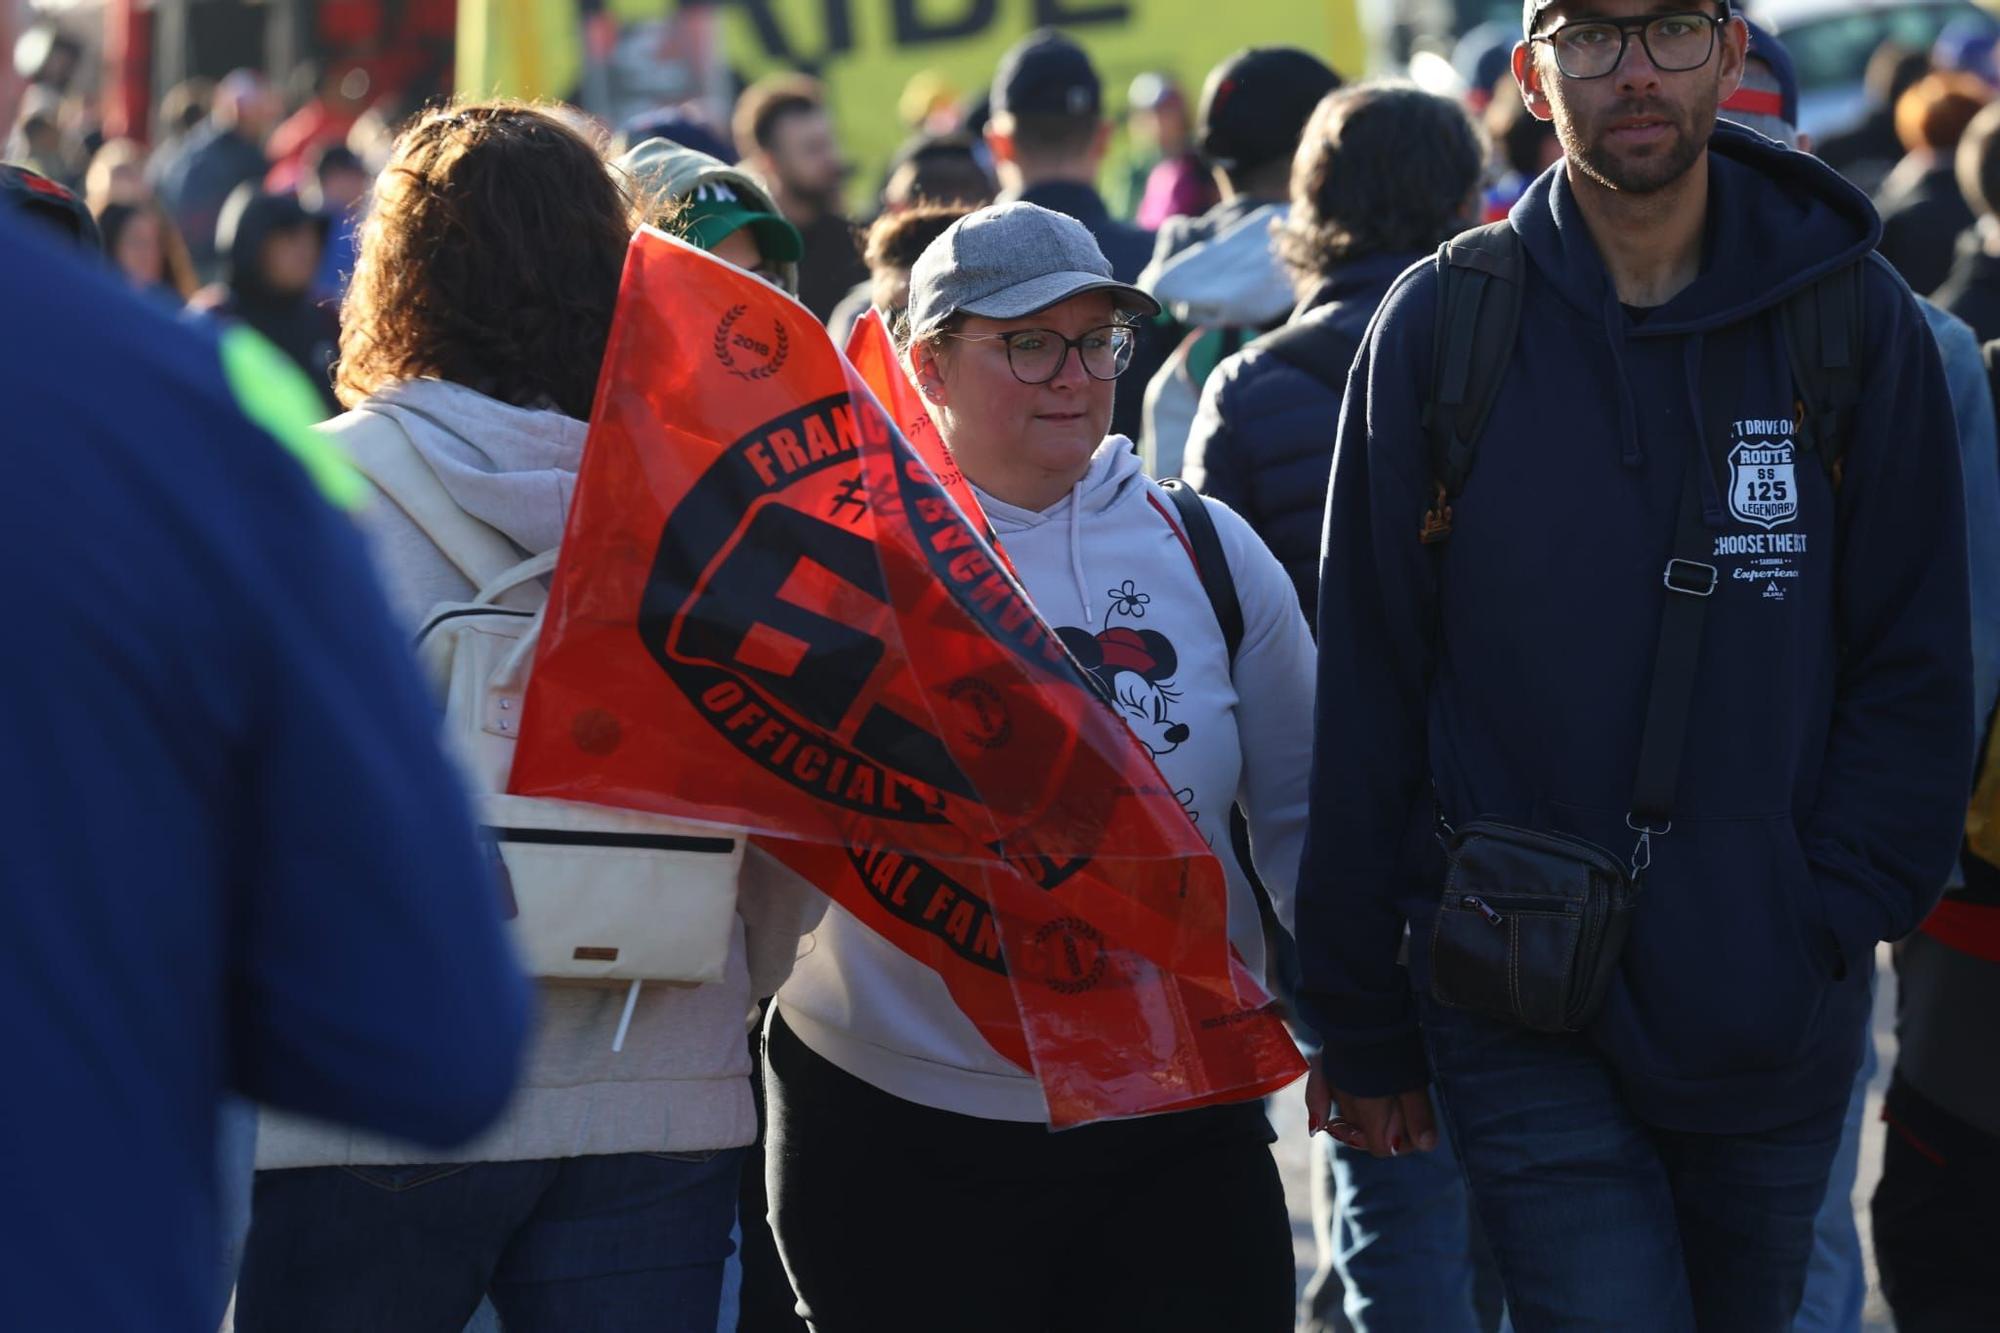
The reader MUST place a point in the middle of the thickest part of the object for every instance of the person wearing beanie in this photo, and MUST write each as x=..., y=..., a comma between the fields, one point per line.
x=1218, y=276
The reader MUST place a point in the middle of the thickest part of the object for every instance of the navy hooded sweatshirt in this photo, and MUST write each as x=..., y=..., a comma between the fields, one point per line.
x=235, y=858
x=1824, y=779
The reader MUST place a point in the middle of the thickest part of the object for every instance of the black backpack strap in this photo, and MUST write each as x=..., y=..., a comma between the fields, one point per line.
x=1209, y=561
x=1480, y=278
x=1823, y=338
x=1213, y=566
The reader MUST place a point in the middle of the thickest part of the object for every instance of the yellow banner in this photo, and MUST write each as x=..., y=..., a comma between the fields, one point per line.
x=867, y=50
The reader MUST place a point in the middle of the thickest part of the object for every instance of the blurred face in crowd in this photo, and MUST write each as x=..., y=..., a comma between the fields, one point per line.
x=141, y=251
x=341, y=190
x=740, y=248
x=805, y=158
x=1025, y=443
x=1638, y=126
x=1165, y=126
x=290, y=258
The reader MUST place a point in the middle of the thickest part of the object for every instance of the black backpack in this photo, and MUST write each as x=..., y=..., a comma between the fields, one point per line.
x=1481, y=275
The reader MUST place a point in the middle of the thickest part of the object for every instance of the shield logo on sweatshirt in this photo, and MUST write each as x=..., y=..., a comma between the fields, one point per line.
x=1763, y=483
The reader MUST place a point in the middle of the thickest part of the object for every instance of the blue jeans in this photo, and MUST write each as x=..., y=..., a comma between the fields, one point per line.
x=1600, y=1221
x=1399, y=1246
x=235, y=1167
x=1836, y=1279
x=627, y=1242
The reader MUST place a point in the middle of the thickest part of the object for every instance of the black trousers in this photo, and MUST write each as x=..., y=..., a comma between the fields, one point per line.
x=1937, y=1211
x=893, y=1216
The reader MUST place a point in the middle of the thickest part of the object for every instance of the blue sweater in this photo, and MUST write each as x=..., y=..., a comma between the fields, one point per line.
x=235, y=859
x=1827, y=761
x=1262, y=442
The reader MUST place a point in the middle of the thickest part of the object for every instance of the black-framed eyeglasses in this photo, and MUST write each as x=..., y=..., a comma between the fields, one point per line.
x=1593, y=48
x=1037, y=356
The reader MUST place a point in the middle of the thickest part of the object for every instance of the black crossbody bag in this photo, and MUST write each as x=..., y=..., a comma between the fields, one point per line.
x=1532, y=923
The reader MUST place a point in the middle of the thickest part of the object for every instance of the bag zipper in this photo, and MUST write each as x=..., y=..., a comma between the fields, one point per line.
x=1494, y=916
x=650, y=842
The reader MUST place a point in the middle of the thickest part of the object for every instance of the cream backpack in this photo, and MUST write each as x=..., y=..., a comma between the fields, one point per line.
x=597, y=893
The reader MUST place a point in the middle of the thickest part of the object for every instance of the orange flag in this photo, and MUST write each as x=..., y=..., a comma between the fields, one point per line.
x=872, y=353
x=771, y=612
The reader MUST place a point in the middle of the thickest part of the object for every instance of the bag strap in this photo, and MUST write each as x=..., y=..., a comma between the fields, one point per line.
x=1690, y=581
x=1823, y=338
x=1480, y=277
x=384, y=454
x=1198, y=526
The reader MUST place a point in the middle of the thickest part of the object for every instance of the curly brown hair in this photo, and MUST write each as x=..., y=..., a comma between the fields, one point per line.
x=1381, y=169
x=490, y=257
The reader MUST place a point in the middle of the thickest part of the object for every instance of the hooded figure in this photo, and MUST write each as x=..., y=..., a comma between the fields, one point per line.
x=706, y=202
x=1826, y=749
x=270, y=245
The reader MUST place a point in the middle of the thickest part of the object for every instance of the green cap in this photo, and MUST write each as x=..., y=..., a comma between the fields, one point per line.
x=716, y=210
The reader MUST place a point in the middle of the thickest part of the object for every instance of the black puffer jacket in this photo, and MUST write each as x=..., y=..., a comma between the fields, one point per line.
x=1262, y=442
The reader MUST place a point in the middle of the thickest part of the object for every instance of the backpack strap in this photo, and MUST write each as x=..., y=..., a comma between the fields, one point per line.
x=1210, y=562
x=1480, y=278
x=1198, y=526
x=1823, y=338
x=383, y=453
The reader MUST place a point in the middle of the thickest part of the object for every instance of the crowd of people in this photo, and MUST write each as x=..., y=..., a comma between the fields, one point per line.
x=1604, y=481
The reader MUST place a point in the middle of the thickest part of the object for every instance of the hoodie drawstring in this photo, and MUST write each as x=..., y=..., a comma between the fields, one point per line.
x=1076, y=551
x=1629, y=451
x=1711, y=498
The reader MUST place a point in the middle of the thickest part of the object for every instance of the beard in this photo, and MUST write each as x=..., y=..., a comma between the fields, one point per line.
x=1643, y=171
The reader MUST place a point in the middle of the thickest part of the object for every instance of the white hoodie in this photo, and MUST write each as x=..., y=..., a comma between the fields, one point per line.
x=682, y=1082
x=1107, y=569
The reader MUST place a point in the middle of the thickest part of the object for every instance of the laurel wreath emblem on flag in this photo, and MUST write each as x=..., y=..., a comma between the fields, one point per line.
x=728, y=341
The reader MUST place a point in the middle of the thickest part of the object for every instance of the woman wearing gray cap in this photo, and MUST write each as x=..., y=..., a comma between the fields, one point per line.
x=915, y=1183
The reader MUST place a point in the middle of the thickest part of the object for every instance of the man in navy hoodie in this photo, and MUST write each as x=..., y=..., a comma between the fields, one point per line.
x=235, y=858
x=1661, y=1169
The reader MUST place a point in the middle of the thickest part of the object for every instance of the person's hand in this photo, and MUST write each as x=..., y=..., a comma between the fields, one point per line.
x=1380, y=1126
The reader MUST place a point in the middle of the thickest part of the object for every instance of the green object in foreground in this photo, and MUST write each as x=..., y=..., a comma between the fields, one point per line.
x=276, y=395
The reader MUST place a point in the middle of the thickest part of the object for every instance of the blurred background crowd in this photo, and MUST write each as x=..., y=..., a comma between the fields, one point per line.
x=219, y=151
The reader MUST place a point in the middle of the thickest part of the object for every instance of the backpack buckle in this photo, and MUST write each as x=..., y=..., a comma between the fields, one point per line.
x=1691, y=577
x=1437, y=520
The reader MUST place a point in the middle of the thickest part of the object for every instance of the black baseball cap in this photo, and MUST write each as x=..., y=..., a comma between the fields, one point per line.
x=1255, y=105
x=1046, y=74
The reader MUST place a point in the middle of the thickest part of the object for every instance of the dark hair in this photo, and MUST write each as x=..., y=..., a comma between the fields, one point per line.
x=1891, y=71
x=326, y=159
x=176, y=269
x=1381, y=169
x=1978, y=162
x=1043, y=136
x=937, y=169
x=896, y=239
x=767, y=102
x=490, y=258
x=1521, y=137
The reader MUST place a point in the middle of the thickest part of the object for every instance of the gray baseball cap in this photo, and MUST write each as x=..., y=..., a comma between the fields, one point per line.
x=1010, y=260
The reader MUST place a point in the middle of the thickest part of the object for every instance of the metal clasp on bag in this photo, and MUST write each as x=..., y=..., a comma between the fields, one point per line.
x=1691, y=577
x=1642, y=851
